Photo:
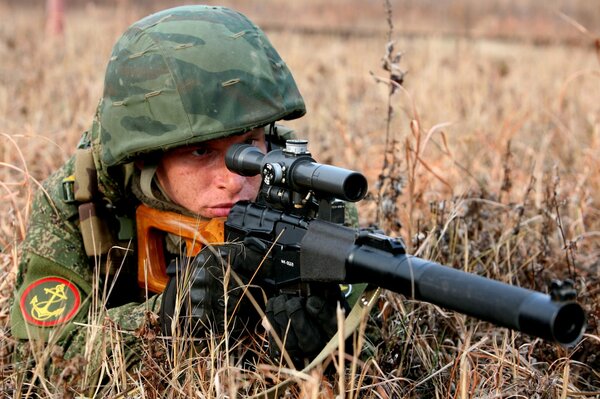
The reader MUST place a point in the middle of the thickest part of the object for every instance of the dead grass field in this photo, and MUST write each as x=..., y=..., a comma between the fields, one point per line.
x=495, y=145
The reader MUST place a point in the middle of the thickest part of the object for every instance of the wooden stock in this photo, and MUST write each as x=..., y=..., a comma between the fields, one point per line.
x=152, y=227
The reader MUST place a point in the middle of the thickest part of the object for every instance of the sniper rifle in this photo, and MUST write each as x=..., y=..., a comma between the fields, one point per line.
x=296, y=224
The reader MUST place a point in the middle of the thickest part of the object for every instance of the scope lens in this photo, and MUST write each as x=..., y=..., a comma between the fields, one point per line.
x=355, y=187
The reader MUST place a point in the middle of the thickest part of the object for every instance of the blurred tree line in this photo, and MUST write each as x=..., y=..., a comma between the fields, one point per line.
x=543, y=19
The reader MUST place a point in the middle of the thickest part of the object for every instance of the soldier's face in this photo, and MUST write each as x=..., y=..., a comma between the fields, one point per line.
x=196, y=177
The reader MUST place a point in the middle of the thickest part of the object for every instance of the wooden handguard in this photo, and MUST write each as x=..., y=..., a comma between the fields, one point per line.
x=152, y=227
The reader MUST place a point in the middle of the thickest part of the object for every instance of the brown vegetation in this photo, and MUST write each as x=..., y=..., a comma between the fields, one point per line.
x=493, y=167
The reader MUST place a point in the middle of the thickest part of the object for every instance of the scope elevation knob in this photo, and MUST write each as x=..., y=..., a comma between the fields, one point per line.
x=296, y=147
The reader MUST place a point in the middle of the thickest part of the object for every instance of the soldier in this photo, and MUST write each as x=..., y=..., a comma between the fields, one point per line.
x=181, y=86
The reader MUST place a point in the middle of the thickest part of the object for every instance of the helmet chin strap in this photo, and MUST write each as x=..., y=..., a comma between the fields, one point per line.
x=271, y=136
x=146, y=177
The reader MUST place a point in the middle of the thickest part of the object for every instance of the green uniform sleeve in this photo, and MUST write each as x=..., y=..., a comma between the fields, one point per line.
x=59, y=297
x=54, y=279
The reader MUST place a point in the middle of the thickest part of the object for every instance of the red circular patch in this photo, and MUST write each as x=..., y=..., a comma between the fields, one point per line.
x=50, y=301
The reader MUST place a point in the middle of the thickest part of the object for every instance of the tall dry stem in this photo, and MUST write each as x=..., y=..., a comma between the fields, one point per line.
x=389, y=182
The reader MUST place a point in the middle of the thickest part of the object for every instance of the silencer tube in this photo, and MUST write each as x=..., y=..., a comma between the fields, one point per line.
x=506, y=305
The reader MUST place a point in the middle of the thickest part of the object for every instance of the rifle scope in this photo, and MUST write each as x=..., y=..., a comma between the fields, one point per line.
x=294, y=168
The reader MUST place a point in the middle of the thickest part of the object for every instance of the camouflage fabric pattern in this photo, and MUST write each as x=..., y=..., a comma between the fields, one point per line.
x=53, y=251
x=53, y=231
x=54, y=248
x=187, y=75
x=351, y=215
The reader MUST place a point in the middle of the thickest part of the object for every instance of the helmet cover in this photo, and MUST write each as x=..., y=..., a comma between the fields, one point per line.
x=187, y=75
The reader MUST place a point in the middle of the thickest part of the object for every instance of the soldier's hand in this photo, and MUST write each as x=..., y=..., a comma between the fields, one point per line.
x=197, y=297
x=304, y=325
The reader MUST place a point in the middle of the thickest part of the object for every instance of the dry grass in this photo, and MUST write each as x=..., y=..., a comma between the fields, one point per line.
x=494, y=168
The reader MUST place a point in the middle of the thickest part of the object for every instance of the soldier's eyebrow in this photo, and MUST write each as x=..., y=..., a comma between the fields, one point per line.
x=254, y=136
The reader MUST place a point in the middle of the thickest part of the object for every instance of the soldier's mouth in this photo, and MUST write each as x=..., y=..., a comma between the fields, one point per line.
x=219, y=210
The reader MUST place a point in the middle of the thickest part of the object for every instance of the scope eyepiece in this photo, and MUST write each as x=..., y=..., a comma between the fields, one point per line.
x=244, y=159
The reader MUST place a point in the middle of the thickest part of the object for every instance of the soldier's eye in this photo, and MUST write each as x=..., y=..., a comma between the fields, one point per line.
x=200, y=152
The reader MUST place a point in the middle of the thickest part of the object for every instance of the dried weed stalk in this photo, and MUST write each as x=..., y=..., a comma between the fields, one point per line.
x=389, y=182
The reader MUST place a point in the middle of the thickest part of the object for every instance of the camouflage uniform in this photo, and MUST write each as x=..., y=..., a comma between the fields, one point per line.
x=178, y=77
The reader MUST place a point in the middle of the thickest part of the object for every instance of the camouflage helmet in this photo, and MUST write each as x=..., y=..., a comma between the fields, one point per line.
x=187, y=75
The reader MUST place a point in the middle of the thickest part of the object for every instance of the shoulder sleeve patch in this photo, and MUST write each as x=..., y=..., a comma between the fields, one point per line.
x=50, y=301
